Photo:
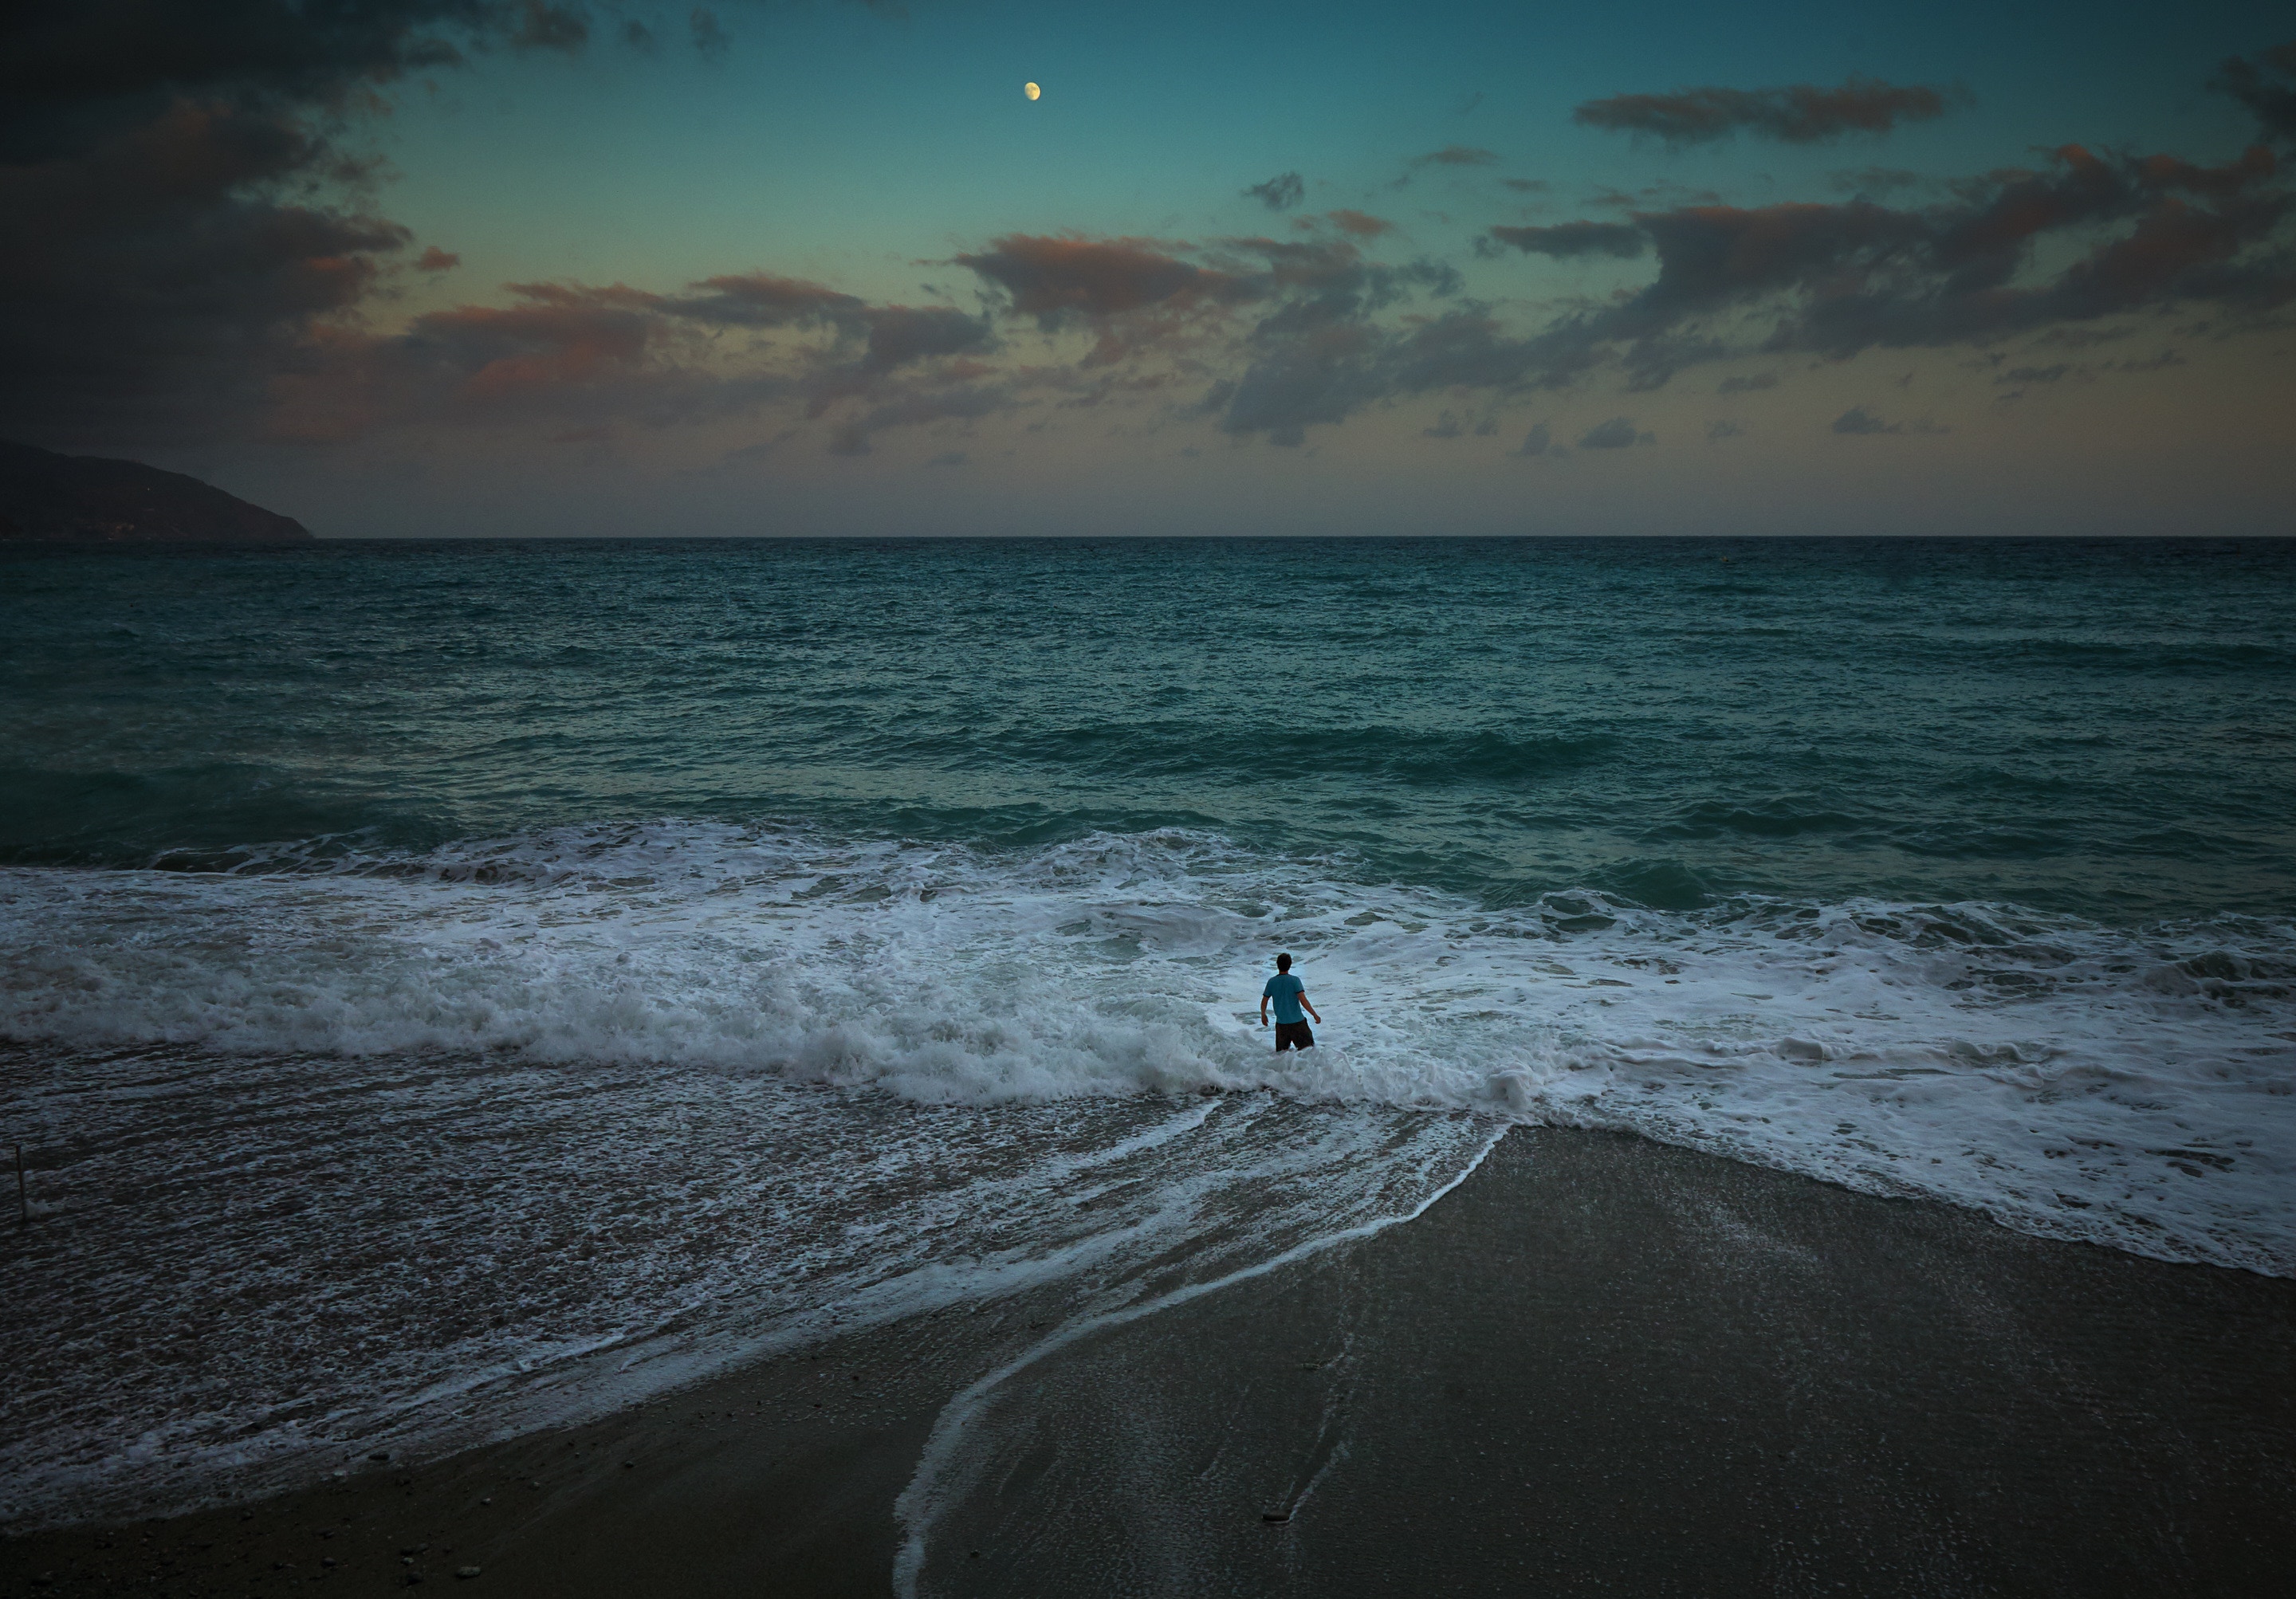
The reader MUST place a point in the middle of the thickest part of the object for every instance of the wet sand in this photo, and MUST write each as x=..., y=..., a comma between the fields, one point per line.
x=1600, y=1365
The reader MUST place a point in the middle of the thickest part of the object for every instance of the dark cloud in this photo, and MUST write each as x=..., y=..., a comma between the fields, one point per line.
x=1280, y=192
x=1449, y=425
x=1538, y=441
x=1616, y=434
x=185, y=221
x=1137, y=295
x=1876, y=180
x=151, y=284
x=1294, y=333
x=763, y=300
x=1318, y=359
x=1742, y=385
x=1527, y=185
x=1836, y=279
x=1715, y=431
x=2266, y=83
x=2035, y=374
x=190, y=250
x=2165, y=359
x=1796, y=114
x=710, y=35
x=586, y=355
x=1319, y=376
x=1055, y=278
x=435, y=259
x=1455, y=155
x=1858, y=421
x=1566, y=240
x=899, y=335
x=544, y=26
x=916, y=406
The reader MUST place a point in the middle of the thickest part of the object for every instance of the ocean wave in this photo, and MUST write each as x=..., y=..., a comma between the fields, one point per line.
x=2065, y=1077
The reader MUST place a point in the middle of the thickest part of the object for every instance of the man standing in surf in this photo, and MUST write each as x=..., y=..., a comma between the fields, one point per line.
x=1290, y=997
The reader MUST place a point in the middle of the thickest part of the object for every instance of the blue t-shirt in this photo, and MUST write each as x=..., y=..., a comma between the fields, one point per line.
x=1285, y=990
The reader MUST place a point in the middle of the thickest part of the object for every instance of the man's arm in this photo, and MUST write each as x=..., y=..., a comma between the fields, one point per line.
x=1263, y=1008
x=1311, y=1010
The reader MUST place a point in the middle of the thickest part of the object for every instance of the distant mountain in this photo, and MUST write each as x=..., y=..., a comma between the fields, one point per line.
x=86, y=499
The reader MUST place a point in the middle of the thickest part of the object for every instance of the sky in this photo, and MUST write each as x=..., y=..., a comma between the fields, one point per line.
x=470, y=267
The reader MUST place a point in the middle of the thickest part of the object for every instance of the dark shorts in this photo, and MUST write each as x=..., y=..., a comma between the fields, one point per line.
x=1293, y=1035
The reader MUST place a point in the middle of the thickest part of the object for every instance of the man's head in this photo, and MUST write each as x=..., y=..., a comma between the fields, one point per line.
x=1283, y=963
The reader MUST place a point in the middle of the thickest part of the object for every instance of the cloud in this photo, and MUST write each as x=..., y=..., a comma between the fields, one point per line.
x=188, y=230
x=1051, y=278
x=191, y=254
x=1527, y=185
x=1567, y=240
x=912, y=406
x=710, y=35
x=2266, y=84
x=148, y=284
x=899, y=335
x=1836, y=279
x=1616, y=434
x=1360, y=224
x=546, y=27
x=948, y=458
x=1796, y=114
x=1858, y=421
x=1538, y=441
x=1455, y=155
x=1715, y=431
x=761, y=299
x=1745, y=385
x=1875, y=180
x=2035, y=374
x=1280, y=192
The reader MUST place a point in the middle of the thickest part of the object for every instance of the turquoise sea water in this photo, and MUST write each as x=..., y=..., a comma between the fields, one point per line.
x=2107, y=729
x=498, y=980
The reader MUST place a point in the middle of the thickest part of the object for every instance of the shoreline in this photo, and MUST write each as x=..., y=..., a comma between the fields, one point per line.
x=1598, y=1360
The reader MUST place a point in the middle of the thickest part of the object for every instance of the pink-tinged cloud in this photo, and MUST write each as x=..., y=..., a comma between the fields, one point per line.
x=560, y=341
x=1362, y=224
x=435, y=259
x=1050, y=278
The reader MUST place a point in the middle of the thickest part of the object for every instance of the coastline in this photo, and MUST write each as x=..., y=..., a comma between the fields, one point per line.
x=1600, y=1362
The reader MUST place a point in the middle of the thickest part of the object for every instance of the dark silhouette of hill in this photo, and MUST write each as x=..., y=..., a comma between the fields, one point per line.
x=87, y=499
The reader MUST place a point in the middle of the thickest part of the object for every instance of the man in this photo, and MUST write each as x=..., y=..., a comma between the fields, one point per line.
x=1290, y=997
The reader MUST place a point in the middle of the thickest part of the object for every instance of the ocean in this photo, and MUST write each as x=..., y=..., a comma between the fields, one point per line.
x=452, y=988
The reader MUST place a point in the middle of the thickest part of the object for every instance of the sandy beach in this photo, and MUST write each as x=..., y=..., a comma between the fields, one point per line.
x=1598, y=1365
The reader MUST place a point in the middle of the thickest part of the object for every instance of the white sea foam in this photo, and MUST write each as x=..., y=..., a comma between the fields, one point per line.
x=2135, y=1090
x=511, y=1133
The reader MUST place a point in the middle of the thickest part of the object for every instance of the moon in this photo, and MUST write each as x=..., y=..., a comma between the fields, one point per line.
x=1030, y=90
